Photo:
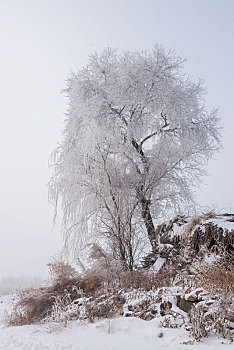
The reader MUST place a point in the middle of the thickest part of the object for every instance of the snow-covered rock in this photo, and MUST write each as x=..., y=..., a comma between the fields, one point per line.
x=183, y=237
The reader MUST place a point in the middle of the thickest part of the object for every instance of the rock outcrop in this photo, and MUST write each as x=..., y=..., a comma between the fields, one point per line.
x=184, y=238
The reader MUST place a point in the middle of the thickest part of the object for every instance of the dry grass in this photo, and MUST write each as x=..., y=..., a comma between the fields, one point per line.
x=105, y=306
x=215, y=279
x=101, y=292
x=99, y=286
x=36, y=304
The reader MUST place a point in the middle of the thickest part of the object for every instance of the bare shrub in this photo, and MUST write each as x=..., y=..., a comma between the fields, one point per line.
x=105, y=306
x=215, y=278
x=60, y=270
x=106, y=289
x=169, y=322
x=36, y=304
x=63, y=309
x=99, y=287
x=114, y=275
x=215, y=318
x=141, y=303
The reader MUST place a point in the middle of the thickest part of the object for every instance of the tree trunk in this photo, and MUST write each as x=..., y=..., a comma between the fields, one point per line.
x=145, y=203
x=150, y=258
x=147, y=217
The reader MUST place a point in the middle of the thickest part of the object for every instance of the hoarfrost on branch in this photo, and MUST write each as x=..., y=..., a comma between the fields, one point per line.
x=137, y=136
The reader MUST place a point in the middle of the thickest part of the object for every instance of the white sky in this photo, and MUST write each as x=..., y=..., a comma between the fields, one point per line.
x=40, y=43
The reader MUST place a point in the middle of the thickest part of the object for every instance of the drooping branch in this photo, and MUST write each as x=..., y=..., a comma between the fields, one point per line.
x=144, y=164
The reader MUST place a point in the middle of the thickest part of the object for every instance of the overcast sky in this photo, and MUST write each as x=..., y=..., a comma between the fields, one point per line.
x=40, y=43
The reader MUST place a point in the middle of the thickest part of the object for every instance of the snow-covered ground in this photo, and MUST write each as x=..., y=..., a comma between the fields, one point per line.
x=128, y=333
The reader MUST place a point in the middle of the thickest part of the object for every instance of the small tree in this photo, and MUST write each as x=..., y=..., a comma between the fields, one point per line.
x=136, y=139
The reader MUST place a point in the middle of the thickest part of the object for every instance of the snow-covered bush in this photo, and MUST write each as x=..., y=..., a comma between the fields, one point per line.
x=63, y=309
x=215, y=318
x=97, y=290
x=37, y=303
x=192, y=291
x=215, y=278
x=60, y=270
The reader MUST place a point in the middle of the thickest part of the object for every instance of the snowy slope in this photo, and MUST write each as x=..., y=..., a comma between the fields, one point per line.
x=114, y=334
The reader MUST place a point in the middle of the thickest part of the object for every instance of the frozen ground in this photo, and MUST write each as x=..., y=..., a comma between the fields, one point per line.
x=114, y=334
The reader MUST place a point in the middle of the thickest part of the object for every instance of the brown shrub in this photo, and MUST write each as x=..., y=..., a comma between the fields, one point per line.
x=60, y=270
x=105, y=307
x=37, y=304
x=215, y=279
x=215, y=318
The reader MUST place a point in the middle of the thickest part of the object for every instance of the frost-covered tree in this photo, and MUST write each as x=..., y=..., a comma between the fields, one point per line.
x=137, y=136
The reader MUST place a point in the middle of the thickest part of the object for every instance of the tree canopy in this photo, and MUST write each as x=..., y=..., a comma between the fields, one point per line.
x=136, y=139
